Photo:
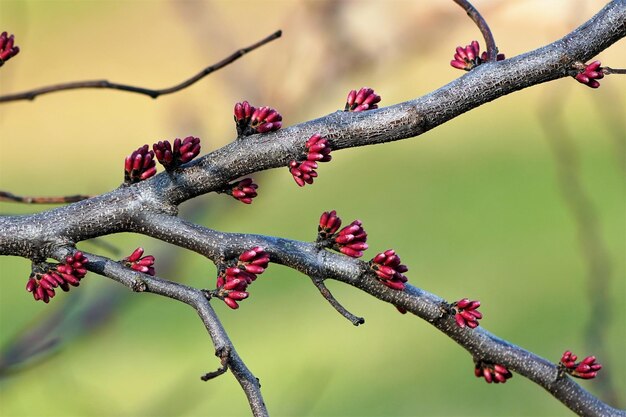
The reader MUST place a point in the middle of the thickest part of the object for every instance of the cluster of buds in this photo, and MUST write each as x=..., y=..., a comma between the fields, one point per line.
x=587, y=369
x=318, y=150
x=389, y=270
x=350, y=240
x=364, y=99
x=470, y=57
x=250, y=120
x=143, y=264
x=139, y=165
x=466, y=313
x=7, y=48
x=172, y=156
x=590, y=74
x=244, y=190
x=492, y=372
x=233, y=281
x=63, y=275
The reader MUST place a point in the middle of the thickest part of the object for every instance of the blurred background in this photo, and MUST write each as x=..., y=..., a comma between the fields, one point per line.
x=519, y=203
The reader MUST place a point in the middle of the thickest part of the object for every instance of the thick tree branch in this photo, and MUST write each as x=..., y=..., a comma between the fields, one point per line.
x=154, y=93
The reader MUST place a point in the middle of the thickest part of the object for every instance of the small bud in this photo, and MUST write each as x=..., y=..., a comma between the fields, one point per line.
x=470, y=57
x=586, y=369
x=590, y=74
x=62, y=275
x=138, y=263
x=183, y=151
x=328, y=226
x=495, y=373
x=244, y=190
x=351, y=240
x=389, y=270
x=250, y=120
x=233, y=281
x=139, y=165
x=7, y=48
x=318, y=150
x=364, y=99
x=466, y=313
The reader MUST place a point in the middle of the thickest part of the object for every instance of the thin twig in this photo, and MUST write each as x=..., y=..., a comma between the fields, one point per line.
x=492, y=49
x=6, y=196
x=30, y=95
x=609, y=70
x=319, y=283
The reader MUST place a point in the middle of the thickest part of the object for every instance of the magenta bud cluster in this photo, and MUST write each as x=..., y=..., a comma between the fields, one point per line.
x=364, y=99
x=466, y=313
x=244, y=190
x=470, y=57
x=42, y=285
x=304, y=171
x=590, y=75
x=586, y=369
x=492, y=372
x=8, y=49
x=181, y=152
x=233, y=282
x=350, y=240
x=250, y=120
x=389, y=270
x=139, y=165
x=140, y=263
x=329, y=224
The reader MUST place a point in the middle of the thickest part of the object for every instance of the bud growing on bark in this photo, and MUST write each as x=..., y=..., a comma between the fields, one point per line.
x=138, y=263
x=181, y=152
x=466, y=313
x=586, y=369
x=8, y=49
x=492, y=372
x=139, y=165
x=389, y=270
x=364, y=99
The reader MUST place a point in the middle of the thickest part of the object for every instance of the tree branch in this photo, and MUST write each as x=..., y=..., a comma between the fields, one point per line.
x=492, y=49
x=6, y=196
x=32, y=94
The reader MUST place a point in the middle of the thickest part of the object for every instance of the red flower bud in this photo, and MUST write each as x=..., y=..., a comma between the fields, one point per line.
x=250, y=120
x=141, y=264
x=364, y=99
x=7, y=48
x=590, y=74
x=389, y=270
x=586, y=369
x=139, y=165
x=181, y=152
x=495, y=373
x=42, y=285
x=470, y=57
x=244, y=190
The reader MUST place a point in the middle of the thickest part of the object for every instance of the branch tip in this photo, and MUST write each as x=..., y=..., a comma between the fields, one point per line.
x=319, y=283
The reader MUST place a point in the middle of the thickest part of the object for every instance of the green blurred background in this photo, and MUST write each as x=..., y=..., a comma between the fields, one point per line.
x=475, y=208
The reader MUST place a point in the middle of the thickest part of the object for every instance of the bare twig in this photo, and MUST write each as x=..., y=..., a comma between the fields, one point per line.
x=30, y=95
x=492, y=49
x=319, y=283
x=6, y=196
x=609, y=70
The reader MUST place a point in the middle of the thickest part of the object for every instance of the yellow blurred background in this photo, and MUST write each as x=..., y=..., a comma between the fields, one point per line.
x=475, y=208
